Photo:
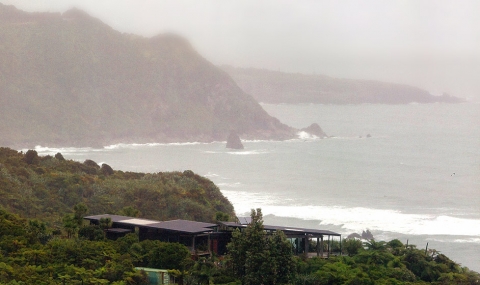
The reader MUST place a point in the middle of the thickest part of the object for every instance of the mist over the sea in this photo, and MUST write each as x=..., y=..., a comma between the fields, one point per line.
x=416, y=178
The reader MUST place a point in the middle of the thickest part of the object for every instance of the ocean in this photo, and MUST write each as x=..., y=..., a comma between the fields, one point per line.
x=410, y=172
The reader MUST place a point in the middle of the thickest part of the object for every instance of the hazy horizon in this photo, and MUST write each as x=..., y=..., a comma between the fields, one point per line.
x=434, y=45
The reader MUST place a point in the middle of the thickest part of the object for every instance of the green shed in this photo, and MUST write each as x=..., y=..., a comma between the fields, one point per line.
x=156, y=276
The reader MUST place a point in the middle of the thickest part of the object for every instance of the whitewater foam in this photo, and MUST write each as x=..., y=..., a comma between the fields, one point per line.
x=248, y=152
x=456, y=240
x=354, y=219
x=358, y=219
x=306, y=136
x=64, y=150
x=139, y=145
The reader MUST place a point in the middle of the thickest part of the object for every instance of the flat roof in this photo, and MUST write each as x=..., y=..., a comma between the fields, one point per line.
x=287, y=230
x=192, y=227
x=118, y=230
x=183, y=226
x=122, y=219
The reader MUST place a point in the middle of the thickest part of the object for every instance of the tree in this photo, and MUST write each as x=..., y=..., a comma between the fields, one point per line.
x=105, y=223
x=282, y=264
x=130, y=211
x=59, y=156
x=375, y=245
x=260, y=259
x=168, y=255
x=79, y=211
x=91, y=232
x=31, y=157
x=157, y=254
x=106, y=169
x=36, y=231
x=70, y=225
x=352, y=246
x=221, y=217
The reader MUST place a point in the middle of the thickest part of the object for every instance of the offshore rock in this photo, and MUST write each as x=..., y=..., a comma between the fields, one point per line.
x=316, y=130
x=234, y=141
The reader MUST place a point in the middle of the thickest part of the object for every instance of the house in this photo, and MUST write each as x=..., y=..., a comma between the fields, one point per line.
x=207, y=238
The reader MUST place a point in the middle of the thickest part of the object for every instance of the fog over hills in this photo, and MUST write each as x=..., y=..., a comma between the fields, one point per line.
x=69, y=79
x=433, y=45
x=279, y=87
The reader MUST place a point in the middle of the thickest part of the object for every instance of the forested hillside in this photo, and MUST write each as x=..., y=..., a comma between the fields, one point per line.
x=279, y=87
x=33, y=253
x=69, y=79
x=47, y=188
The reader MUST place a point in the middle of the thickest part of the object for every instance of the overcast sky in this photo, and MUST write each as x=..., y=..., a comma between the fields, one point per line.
x=433, y=44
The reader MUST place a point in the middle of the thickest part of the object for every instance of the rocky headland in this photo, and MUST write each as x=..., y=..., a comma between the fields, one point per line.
x=70, y=80
x=293, y=88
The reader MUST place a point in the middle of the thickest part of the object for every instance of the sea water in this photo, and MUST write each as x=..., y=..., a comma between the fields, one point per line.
x=410, y=172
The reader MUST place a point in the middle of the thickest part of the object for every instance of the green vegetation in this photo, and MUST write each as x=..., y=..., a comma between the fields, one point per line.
x=378, y=262
x=50, y=244
x=279, y=87
x=48, y=188
x=258, y=259
x=70, y=80
x=31, y=254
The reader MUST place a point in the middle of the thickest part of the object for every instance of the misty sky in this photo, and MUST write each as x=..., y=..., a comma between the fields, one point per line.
x=430, y=44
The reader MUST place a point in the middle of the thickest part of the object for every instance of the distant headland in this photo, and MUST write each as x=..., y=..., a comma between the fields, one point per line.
x=293, y=88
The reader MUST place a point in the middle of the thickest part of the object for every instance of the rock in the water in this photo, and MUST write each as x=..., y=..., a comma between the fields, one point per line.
x=314, y=129
x=367, y=235
x=234, y=141
x=354, y=235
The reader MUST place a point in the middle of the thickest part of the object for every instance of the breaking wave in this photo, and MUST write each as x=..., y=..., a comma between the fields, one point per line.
x=356, y=219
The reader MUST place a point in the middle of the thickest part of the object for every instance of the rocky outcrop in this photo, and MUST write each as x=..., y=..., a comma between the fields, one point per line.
x=234, y=141
x=316, y=130
x=366, y=235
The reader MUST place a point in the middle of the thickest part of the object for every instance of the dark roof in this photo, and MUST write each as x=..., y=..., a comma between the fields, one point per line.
x=119, y=230
x=186, y=226
x=287, y=230
x=193, y=227
x=174, y=225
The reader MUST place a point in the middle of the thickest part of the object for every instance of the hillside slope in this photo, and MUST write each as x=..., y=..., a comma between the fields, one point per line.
x=69, y=79
x=279, y=87
x=47, y=188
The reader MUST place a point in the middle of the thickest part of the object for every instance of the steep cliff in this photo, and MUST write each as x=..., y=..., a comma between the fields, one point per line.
x=69, y=79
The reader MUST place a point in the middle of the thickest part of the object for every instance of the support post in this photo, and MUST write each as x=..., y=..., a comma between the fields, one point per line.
x=318, y=247
x=209, y=245
x=328, y=247
x=341, y=249
x=193, y=243
x=305, y=248
x=321, y=246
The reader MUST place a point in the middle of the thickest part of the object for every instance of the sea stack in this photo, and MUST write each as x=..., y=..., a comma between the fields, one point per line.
x=233, y=141
x=316, y=130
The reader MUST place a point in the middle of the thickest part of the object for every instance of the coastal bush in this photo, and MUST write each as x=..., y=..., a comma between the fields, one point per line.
x=31, y=254
x=49, y=189
x=352, y=246
x=258, y=259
